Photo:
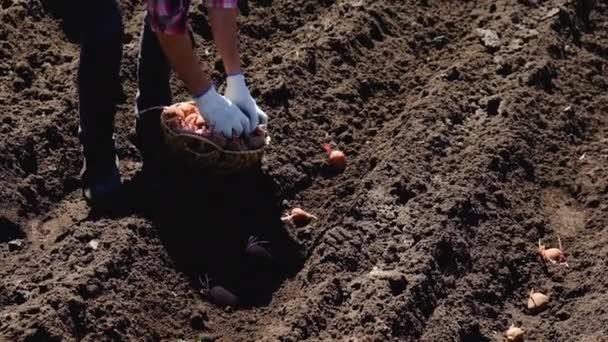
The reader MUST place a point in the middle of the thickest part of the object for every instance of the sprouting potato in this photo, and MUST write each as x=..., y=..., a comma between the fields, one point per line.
x=191, y=119
x=174, y=123
x=553, y=255
x=255, y=142
x=298, y=217
x=336, y=158
x=180, y=112
x=515, y=334
x=188, y=108
x=199, y=122
x=537, y=301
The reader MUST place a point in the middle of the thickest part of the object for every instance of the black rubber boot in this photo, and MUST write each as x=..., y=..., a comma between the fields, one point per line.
x=100, y=176
x=150, y=142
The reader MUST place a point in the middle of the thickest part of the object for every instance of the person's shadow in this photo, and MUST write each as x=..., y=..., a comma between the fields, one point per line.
x=210, y=224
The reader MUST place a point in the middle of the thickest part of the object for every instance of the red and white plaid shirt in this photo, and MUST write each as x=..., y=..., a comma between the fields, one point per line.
x=171, y=16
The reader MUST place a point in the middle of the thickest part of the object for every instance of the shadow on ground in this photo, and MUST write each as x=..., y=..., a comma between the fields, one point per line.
x=208, y=222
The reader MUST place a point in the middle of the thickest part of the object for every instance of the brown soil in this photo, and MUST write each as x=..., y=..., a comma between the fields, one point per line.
x=463, y=152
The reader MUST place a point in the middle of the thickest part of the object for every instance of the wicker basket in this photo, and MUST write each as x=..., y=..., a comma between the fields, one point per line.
x=201, y=152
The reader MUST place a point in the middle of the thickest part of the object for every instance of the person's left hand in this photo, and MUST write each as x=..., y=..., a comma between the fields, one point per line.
x=238, y=93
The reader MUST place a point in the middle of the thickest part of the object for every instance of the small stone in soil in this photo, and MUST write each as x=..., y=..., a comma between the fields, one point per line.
x=489, y=39
x=93, y=244
x=15, y=245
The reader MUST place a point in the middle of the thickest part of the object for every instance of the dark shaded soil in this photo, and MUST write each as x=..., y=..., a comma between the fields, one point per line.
x=463, y=153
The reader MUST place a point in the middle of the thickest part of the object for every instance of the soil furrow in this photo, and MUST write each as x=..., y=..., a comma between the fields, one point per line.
x=472, y=130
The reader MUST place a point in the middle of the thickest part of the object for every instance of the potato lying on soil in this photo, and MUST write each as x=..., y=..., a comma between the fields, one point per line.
x=537, y=301
x=515, y=334
x=185, y=118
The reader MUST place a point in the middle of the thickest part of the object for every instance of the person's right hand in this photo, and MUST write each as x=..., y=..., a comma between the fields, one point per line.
x=222, y=115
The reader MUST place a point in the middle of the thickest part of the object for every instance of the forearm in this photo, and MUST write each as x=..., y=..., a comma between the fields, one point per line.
x=225, y=34
x=180, y=54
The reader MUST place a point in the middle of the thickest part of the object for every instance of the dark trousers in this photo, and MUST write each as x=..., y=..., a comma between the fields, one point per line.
x=99, y=72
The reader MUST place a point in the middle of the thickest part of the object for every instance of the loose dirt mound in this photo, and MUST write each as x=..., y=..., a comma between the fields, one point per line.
x=473, y=129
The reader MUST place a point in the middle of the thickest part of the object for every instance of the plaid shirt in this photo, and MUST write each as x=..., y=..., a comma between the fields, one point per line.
x=171, y=16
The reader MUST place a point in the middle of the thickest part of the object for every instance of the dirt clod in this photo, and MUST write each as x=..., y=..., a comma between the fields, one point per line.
x=15, y=245
x=489, y=39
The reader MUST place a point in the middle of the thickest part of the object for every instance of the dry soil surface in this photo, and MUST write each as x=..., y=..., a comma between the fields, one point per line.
x=472, y=130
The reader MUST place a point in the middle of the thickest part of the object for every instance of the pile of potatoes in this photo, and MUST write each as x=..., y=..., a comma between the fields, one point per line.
x=184, y=117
